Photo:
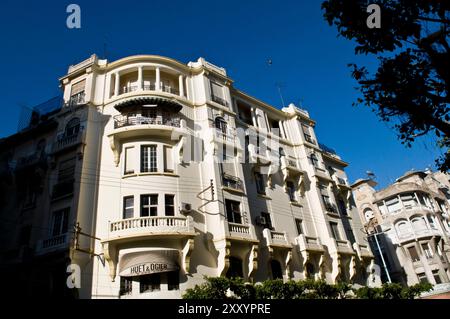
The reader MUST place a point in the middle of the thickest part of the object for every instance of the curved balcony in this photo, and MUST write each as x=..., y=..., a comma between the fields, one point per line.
x=150, y=227
x=417, y=234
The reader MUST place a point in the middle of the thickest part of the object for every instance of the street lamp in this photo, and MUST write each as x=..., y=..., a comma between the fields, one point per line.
x=375, y=235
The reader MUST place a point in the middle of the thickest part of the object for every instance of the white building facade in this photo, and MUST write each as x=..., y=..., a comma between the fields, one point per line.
x=410, y=219
x=179, y=175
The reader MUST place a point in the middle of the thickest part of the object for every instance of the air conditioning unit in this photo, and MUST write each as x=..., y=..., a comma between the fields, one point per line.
x=186, y=208
x=261, y=221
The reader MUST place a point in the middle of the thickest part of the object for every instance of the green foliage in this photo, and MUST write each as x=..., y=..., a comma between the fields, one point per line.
x=411, y=86
x=236, y=288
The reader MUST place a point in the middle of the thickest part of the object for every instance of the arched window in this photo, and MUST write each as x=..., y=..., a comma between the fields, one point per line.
x=73, y=127
x=368, y=214
x=402, y=227
x=419, y=223
x=275, y=266
x=235, y=269
x=221, y=124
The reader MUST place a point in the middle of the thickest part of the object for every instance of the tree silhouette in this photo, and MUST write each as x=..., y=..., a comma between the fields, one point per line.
x=410, y=87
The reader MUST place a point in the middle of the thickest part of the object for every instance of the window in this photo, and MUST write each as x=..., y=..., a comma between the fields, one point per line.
x=126, y=286
x=168, y=159
x=148, y=283
x=235, y=270
x=326, y=199
x=427, y=251
x=314, y=160
x=275, y=127
x=128, y=207
x=431, y=221
x=217, y=94
x=290, y=187
x=170, y=205
x=275, y=266
x=60, y=222
x=233, y=211
x=307, y=134
x=310, y=271
x=245, y=114
x=335, y=230
x=393, y=205
x=298, y=224
x=78, y=88
x=129, y=160
x=149, y=205
x=342, y=207
x=173, y=280
x=148, y=159
x=72, y=127
x=422, y=278
x=259, y=180
x=66, y=171
x=266, y=216
x=408, y=200
x=436, y=277
x=413, y=253
x=221, y=124
x=368, y=214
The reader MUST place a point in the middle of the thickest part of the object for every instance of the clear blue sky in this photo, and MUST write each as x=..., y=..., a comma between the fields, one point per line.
x=241, y=36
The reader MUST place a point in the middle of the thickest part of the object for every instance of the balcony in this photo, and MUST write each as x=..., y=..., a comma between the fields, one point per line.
x=344, y=247
x=66, y=142
x=308, y=243
x=276, y=239
x=290, y=164
x=418, y=233
x=53, y=244
x=131, y=119
x=225, y=136
x=155, y=226
x=219, y=100
x=232, y=182
x=362, y=250
x=239, y=231
x=76, y=99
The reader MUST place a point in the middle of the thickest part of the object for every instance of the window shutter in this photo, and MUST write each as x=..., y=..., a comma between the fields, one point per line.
x=129, y=160
x=78, y=87
x=228, y=169
x=168, y=159
x=216, y=89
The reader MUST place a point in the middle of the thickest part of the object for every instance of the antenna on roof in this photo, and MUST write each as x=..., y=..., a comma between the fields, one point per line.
x=278, y=84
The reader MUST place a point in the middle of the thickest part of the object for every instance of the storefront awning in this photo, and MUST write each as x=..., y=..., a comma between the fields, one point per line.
x=149, y=262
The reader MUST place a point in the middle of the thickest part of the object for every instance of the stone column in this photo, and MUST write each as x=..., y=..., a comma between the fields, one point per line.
x=117, y=84
x=140, y=78
x=158, y=80
x=181, y=84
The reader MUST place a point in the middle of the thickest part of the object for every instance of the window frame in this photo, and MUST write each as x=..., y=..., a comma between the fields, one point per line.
x=125, y=207
x=149, y=206
x=149, y=156
x=170, y=206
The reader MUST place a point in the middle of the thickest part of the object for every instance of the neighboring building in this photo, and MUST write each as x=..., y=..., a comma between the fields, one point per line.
x=170, y=173
x=411, y=217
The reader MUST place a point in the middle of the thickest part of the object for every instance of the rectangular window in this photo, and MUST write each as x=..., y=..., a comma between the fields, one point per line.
x=149, y=205
x=393, y=205
x=170, y=205
x=259, y=180
x=129, y=160
x=60, y=222
x=413, y=253
x=314, y=160
x=335, y=230
x=78, y=88
x=173, y=280
x=291, y=191
x=342, y=207
x=427, y=251
x=245, y=114
x=168, y=159
x=66, y=171
x=148, y=283
x=233, y=211
x=148, y=159
x=268, y=220
x=307, y=134
x=126, y=286
x=436, y=277
x=299, y=225
x=128, y=207
x=422, y=278
x=217, y=94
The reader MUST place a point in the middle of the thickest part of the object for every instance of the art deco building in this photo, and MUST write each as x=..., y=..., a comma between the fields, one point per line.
x=154, y=174
x=411, y=218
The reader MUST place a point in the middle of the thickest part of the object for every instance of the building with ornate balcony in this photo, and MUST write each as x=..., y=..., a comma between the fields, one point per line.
x=409, y=226
x=160, y=173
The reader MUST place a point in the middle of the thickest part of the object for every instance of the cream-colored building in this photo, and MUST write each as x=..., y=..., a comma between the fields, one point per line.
x=177, y=175
x=411, y=218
